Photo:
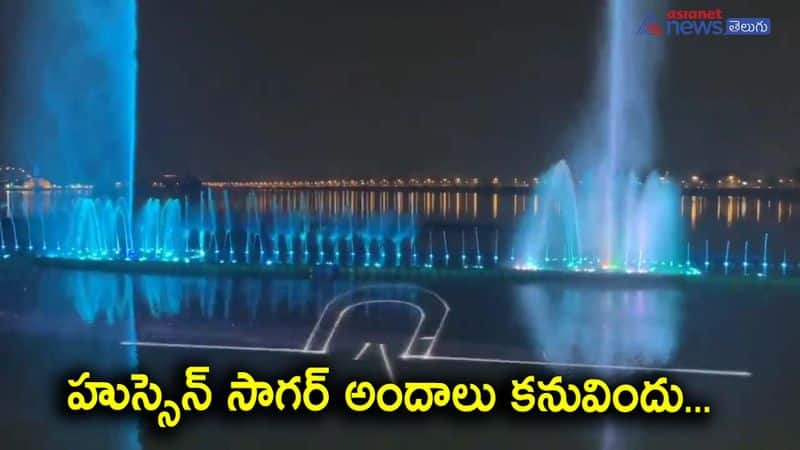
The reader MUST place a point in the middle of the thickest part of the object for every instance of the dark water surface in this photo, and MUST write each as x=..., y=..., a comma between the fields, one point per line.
x=54, y=323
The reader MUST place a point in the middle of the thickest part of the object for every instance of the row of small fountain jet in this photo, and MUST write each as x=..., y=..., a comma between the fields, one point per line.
x=178, y=230
x=209, y=230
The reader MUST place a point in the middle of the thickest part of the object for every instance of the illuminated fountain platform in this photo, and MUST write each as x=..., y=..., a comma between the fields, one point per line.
x=675, y=276
x=209, y=235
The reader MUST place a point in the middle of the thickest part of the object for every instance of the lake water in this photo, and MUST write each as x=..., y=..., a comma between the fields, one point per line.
x=55, y=322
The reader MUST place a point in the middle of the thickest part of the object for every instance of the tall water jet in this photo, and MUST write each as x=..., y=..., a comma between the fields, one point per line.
x=610, y=217
x=627, y=95
x=73, y=101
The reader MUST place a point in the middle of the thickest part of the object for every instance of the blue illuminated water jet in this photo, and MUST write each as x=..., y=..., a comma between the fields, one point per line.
x=169, y=230
x=76, y=122
x=609, y=218
x=74, y=93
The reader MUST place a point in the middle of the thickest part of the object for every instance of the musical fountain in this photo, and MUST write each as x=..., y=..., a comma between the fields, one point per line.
x=73, y=93
x=608, y=220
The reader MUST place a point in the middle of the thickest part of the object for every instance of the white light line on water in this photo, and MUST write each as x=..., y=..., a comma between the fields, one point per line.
x=386, y=364
x=220, y=347
x=362, y=351
x=722, y=373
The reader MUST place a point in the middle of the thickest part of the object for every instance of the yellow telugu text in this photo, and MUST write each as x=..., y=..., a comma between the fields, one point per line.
x=309, y=392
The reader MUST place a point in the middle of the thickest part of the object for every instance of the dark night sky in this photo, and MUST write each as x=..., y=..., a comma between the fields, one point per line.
x=254, y=88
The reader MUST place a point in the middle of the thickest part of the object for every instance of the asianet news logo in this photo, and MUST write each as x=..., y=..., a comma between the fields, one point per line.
x=703, y=22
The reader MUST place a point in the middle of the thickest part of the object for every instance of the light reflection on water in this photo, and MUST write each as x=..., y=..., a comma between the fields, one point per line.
x=82, y=316
x=612, y=327
x=565, y=324
x=110, y=298
x=482, y=207
x=61, y=324
x=209, y=310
